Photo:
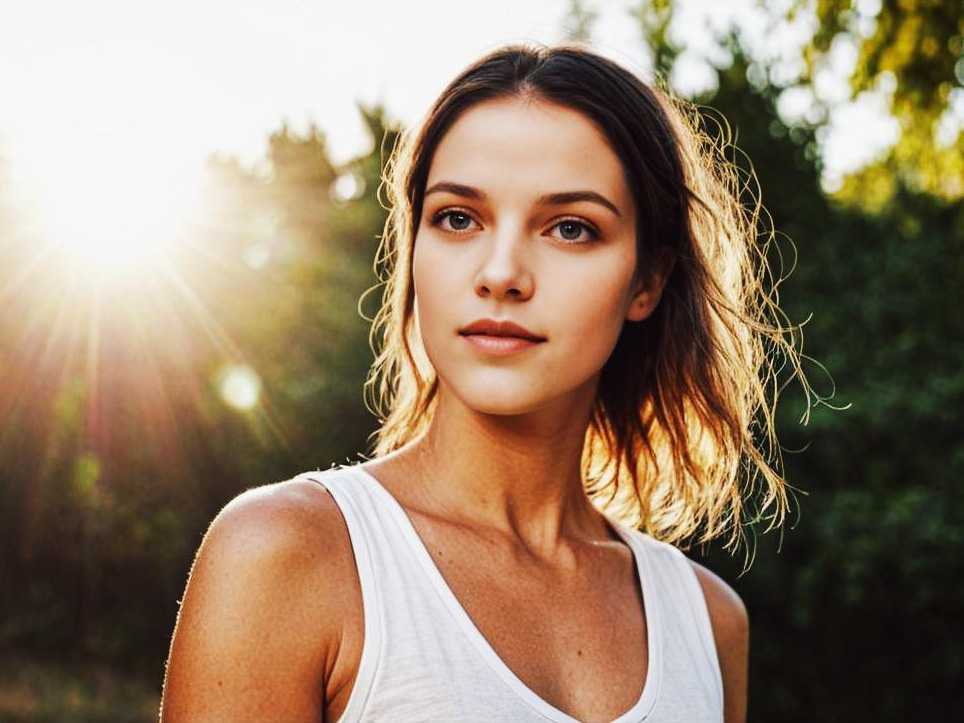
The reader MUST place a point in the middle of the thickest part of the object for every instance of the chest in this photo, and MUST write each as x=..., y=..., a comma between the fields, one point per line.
x=580, y=650
x=575, y=635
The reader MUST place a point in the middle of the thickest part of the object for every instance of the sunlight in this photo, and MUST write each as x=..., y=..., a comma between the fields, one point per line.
x=103, y=203
x=240, y=386
x=114, y=245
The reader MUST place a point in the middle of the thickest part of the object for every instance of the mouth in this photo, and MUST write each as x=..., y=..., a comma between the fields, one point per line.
x=504, y=329
x=500, y=345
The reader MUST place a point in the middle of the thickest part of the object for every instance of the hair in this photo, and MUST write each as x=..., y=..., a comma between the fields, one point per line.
x=682, y=426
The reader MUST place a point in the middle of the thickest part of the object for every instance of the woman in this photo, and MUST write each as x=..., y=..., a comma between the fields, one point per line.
x=573, y=334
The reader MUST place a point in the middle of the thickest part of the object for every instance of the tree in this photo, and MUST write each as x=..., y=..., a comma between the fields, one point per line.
x=871, y=573
x=915, y=48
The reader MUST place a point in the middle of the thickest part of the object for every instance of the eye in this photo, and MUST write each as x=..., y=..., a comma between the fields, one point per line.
x=570, y=226
x=458, y=220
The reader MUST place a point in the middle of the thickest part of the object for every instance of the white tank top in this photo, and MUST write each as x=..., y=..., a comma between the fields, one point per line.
x=423, y=660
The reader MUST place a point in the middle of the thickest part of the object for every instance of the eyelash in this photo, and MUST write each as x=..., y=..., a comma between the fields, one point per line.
x=590, y=229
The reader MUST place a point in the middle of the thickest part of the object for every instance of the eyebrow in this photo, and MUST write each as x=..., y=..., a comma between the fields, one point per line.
x=550, y=199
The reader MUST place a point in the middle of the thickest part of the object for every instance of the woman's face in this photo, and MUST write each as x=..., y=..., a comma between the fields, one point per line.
x=491, y=245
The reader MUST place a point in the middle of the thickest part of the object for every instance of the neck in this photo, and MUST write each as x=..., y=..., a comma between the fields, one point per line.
x=519, y=475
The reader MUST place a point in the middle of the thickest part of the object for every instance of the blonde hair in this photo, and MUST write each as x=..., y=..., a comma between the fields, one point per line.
x=682, y=416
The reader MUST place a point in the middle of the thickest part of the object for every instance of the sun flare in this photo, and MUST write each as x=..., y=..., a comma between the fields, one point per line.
x=114, y=244
x=107, y=206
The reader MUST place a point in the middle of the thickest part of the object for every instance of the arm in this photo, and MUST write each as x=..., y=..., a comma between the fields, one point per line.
x=731, y=630
x=256, y=629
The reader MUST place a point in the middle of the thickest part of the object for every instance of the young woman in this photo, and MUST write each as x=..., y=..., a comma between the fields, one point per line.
x=573, y=371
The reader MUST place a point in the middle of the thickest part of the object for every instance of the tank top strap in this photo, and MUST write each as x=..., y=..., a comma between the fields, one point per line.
x=689, y=630
x=356, y=507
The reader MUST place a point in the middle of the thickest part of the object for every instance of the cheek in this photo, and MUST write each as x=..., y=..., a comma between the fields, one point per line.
x=589, y=314
x=592, y=326
x=593, y=300
x=431, y=289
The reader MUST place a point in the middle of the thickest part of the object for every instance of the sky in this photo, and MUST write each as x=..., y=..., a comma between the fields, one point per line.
x=97, y=94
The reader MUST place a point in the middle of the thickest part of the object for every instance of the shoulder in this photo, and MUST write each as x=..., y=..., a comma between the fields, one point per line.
x=264, y=603
x=283, y=517
x=277, y=532
x=731, y=631
x=728, y=614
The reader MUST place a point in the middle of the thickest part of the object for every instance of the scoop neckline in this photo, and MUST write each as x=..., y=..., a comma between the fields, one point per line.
x=643, y=706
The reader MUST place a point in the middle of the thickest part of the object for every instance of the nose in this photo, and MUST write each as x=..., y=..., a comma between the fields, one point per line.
x=505, y=269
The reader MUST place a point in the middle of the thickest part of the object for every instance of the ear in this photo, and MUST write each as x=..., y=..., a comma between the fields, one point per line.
x=648, y=291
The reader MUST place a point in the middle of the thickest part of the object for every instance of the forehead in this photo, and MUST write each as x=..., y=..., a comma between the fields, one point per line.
x=517, y=148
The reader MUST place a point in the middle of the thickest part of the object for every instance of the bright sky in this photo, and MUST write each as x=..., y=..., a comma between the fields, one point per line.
x=96, y=93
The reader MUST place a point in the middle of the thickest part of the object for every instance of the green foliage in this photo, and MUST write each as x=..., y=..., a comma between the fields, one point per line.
x=917, y=46
x=870, y=573
x=654, y=17
x=579, y=22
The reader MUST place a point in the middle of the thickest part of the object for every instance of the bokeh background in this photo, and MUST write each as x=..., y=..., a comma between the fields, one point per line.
x=188, y=219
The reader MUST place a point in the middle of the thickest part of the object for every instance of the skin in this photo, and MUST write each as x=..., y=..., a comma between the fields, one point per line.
x=271, y=622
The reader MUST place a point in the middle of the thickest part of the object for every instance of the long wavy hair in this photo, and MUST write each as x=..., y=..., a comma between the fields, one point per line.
x=682, y=425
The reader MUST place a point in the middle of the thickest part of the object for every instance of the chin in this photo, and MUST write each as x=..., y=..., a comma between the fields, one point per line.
x=508, y=397
x=506, y=408
x=492, y=393
x=501, y=402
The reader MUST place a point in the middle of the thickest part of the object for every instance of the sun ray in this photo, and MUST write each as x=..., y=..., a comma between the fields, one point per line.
x=224, y=342
x=217, y=334
x=25, y=273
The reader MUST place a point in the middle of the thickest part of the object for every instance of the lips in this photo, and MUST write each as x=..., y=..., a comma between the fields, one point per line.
x=492, y=327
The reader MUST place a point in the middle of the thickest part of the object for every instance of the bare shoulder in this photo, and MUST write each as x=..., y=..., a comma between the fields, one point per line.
x=731, y=631
x=262, y=610
x=727, y=611
x=289, y=533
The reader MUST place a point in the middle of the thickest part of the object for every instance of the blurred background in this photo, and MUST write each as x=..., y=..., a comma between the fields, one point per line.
x=188, y=221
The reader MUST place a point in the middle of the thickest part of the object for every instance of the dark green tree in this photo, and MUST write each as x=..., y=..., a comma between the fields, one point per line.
x=869, y=576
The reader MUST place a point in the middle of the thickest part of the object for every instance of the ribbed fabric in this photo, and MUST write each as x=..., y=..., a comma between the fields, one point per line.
x=424, y=661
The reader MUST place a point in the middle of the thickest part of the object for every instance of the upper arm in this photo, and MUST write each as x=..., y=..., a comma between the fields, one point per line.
x=256, y=628
x=731, y=631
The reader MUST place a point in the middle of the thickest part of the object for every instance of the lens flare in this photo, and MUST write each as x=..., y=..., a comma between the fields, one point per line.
x=239, y=386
